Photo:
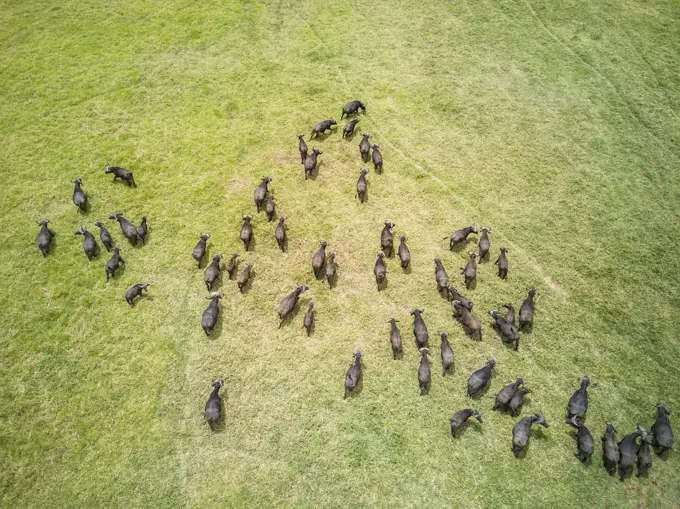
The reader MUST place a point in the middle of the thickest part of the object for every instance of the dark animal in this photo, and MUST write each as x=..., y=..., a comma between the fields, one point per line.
x=89, y=244
x=352, y=107
x=364, y=146
x=386, y=238
x=288, y=303
x=79, y=197
x=322, y=127
x=578, y=403
x=141, y=231
x=508, y=331
x=212, y=272
x=319, y=259
x=246, y=233
x=484, y=243
x=361, y=185
x=308, y=321
x=395, y=338
x=280, y=234
x=610, y=449
x=353, y=375
x=209, y=318
x=244, y=277
x=662, y=431
x=460, y=417
x=199, y=250
x=303, y=148
x=331, y=270
x=461, y=235
x=457, y=296
x=380, y=269
x=129, y=230
x=517, y=401
x=470, y=323
x=104, y=236
x=232, y=264
x=521, y=431
x=584, y=440
x=403, y=253
x=441, y=276
x=113, y=264
x=505, y=395
x=419, y=328
x=526, y=311
x=270, y=208
x=377, y=159
x=135, y=291
x=213, y=408
x=261, y=192
x=447, y=353
x=480, y=378
x=510, y=315
x=502, y=263
x=470, y=270
x=121, y=173
x=628, y=449
x=310, y=162
x=44, y=237
x=644, y=456
x=349, y=128
x=424, y=370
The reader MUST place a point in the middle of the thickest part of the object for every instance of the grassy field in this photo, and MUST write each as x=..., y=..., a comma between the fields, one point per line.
x=554, y=123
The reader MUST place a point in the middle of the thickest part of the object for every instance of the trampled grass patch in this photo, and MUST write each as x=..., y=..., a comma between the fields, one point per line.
x=555, y=125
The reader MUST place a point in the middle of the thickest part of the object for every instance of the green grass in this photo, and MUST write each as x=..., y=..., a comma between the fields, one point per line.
x=554, y=123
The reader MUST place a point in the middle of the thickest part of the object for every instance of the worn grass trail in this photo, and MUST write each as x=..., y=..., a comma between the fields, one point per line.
x=556, y=126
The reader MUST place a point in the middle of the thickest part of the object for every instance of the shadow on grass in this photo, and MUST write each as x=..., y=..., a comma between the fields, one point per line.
x=351, y=135
x=537, y=434
x=54, y=245
x=251, y=245
x=315, y=171
x=141, y=297
x=88, y=207
x=663, y=455
x=122, y=182
x=321, y=275
x=642, y=473
x=119, y=273
x=481, y=393
x=217, y=284
x=473, y=423
x=324, y=136
x=460, y=246
x=291, y=316
x=217, y=330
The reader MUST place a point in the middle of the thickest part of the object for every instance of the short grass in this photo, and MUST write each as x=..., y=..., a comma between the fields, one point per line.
x=553, y=123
